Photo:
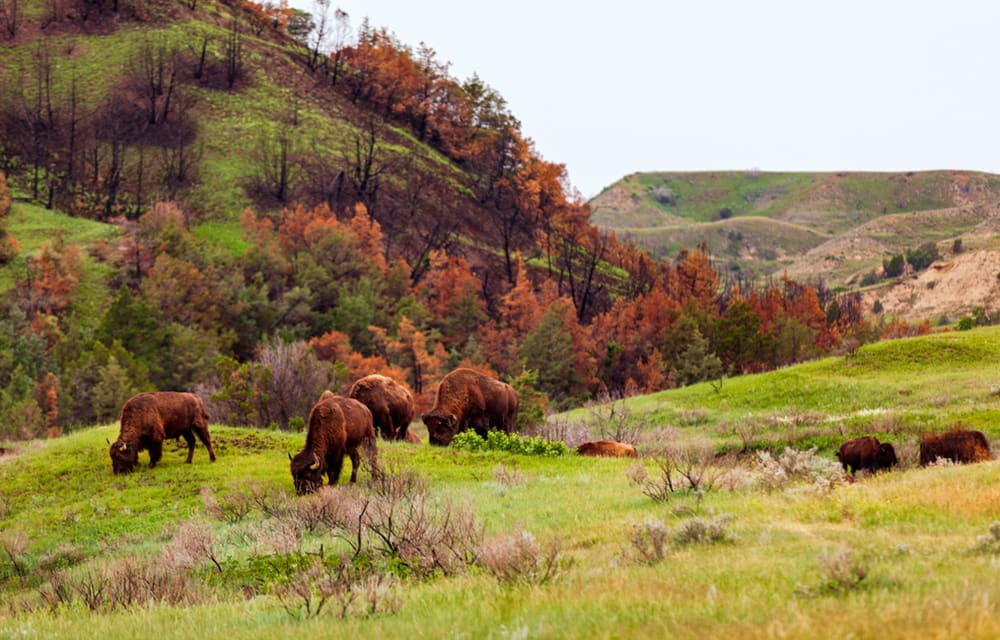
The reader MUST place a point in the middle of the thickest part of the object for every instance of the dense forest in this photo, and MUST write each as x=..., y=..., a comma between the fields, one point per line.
x=397, y=221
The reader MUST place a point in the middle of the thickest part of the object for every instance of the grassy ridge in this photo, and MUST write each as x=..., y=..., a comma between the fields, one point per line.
x=913, y=530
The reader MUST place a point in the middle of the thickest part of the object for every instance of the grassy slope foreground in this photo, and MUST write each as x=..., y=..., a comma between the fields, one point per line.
x=911, y=533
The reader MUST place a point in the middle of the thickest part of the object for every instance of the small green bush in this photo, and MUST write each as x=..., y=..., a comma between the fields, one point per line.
x=509, y=442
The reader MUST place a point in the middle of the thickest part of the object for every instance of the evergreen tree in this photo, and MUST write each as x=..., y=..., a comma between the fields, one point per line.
x=697, y=363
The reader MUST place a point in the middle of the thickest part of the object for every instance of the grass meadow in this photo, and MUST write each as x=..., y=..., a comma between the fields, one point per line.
x=773, y=543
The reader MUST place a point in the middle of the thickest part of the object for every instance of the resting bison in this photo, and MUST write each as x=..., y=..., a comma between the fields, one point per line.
x=957, y=446
x=338, y=426
x=607, y=448
x=867, y=453
x=149, y=418
x=391, y=404
x=467, y=398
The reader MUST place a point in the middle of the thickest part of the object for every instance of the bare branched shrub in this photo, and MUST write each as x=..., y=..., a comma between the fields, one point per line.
x=519, y=558
x=396, y=520
x=842, y=571
x=306, y=594
x=55, y=592
x=90, y=589
x=561, y=430
x=507, y=477
x=613, y=420
x=692, y=417
x=703, y=531
x=650, y=540
x=319, y=511
x=232, y=508
x=746, y=429
x=281, y=535
x=191, y=547
x=131, y=582
x=692, y=468
x=14, y=544
x=989, y=543
x=637, y=474
x=379, y=592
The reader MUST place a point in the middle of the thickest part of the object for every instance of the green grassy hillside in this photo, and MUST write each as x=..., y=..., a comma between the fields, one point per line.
x=901, y=555
x=770, y=222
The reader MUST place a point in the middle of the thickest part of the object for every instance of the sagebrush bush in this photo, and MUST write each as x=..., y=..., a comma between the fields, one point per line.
x=841, y=571
x=519, y=558
x=795, y=466
x=703, y=531
x=650, y=540
x=990, y=542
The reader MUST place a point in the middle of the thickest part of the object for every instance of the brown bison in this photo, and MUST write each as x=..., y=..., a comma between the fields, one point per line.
x=467, y=398
x=607, y=448
x=337, y=427
x=149, y=418
x=868, y=454
x=958, y=446
x=390, y=402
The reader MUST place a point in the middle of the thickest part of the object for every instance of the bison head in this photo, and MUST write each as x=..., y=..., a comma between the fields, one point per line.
x=123, y=457
x=441, y=427
x=885, y=457
x=307, y=472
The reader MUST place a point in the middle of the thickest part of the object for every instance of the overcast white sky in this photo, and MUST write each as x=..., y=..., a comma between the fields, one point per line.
x=781, y=85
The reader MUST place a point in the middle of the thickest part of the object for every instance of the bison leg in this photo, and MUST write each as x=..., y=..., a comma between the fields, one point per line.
x=189, y=438
x=355, y=463
x=155, y=452
x=207, y=441
x=334, y=463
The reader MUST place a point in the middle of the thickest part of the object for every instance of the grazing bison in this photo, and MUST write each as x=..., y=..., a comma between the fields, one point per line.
x=607, y=448
x=958, y=446
x=867, y=453
x=337, y=427
x=149, y=418
x=391, y=404
x=467, y=398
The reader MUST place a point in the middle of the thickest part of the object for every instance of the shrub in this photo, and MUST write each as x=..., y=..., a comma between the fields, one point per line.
x=519, y=558
x=702, y=531
x=509, y=442
x=989, y=543
x=793, y=466
x=841, y=572
x=650, y=540
x=966, y=323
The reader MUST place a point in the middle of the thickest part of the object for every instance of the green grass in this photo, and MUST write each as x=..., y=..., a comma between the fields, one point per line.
x=913, y=530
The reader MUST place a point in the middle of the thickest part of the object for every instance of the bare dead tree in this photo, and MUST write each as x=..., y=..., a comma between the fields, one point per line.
x=10, y=17
x=234, y=54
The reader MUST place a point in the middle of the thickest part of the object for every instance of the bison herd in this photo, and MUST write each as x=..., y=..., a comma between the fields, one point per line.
x=337, y=426
x=466, y=399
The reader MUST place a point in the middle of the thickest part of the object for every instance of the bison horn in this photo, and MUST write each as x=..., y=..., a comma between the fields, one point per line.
x=124, y=446
x=315, y=465
x=289, y=457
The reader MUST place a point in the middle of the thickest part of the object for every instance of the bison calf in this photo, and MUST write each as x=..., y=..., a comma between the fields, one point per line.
x=606, y=448
x=468, y=399
x=960, y=446
x=390, y=402
x=337, y=427
x=148, y=418
x=867, y=454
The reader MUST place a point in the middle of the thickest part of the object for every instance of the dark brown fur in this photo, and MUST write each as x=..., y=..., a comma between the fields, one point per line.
x=468, y=399
x=150, y=418
x=606, y=448
x=867, y=454
x=338, y=426
x=390, y=402
x=958, y=446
